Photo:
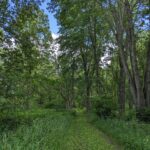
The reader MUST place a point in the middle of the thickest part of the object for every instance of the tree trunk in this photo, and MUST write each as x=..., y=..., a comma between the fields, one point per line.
x=121, y=90
x=119, y=32
x=88, y=101
x=125, y=37
x=96, y=51
x=87, y=79
x=131, y=45
x=147, y=78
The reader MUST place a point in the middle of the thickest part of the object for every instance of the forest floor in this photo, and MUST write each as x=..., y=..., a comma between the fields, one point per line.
x=57, y=131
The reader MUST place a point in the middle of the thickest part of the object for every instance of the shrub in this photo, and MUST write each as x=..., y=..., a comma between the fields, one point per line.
x=12, y=120
x=105, y=108
x=143, y=114
x=54, y=106
x=77, y=111
x=129, y=115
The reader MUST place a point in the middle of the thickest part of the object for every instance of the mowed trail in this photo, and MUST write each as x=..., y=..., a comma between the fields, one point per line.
x=57, y=131
x=81, y=135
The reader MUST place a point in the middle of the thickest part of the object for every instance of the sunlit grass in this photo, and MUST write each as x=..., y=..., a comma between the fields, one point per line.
x=55, y=131
x=131, y=134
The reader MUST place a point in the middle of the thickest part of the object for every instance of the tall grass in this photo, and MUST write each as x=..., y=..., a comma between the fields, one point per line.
x=55, y=131
x=11, y=120
x=133, y=135
x=44, y=134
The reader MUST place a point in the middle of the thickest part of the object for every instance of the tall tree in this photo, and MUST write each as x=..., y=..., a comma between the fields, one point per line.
x=124, y=29
x=29, y=35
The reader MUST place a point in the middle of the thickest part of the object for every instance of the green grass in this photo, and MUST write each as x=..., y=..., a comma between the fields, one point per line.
x=55, y=131
x=131, y=134
x=11, y=120
x=45, y=129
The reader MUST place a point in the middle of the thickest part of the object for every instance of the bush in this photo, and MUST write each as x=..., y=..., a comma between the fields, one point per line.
x=77, y=111
x=105, y=108
x=11, y=105
x=54, y=106
x=129, y=115
x=12, y=120
x=143, y=114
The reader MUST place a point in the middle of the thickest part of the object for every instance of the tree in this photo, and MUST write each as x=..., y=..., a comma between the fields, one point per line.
x=80, y=29
x=124, y=30
x=27, y=38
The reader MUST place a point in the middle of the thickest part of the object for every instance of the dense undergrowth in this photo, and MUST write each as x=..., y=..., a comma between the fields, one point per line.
x=132, y=135
x=11, y=120
x=42, y=133
x=51, y=130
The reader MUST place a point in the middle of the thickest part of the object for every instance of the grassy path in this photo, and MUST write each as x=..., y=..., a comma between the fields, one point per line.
x=57, y=131
x=83, y=136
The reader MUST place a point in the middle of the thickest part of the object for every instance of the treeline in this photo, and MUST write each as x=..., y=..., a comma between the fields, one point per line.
x=103, y=61
x=25, y=52
x=104, y=52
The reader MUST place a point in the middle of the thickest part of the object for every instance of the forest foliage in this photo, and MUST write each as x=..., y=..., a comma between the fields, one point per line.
x=99, y=63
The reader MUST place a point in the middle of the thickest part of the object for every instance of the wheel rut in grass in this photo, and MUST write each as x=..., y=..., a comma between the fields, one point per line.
x=82, y=135
x=58, y=131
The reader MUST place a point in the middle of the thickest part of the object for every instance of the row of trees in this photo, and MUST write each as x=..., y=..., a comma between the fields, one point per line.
x=104, y=51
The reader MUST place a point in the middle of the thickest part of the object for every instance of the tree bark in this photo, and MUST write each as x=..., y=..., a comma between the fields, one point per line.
x=121, y=90
x=87, y=79
x=140, y=102
x=126, y=41
x=147, y=78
